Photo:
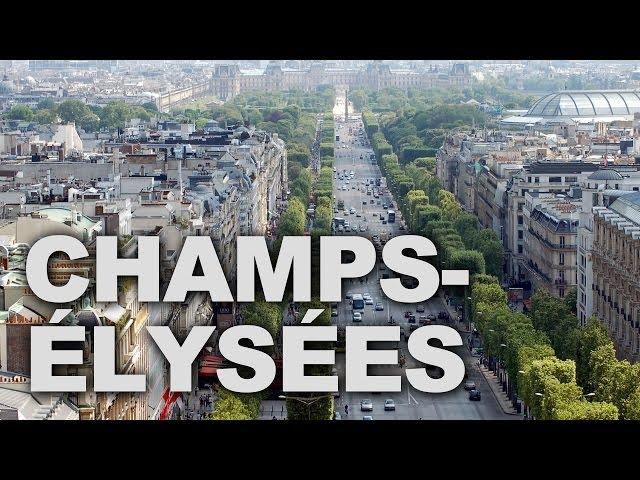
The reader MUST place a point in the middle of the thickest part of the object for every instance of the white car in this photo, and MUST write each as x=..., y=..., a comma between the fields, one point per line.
x=357, y=317
x=366, y=405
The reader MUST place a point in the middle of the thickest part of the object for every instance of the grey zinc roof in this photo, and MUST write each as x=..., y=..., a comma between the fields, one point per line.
x=605, y=174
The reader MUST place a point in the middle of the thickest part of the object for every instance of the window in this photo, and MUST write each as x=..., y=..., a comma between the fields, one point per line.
x=520, y=220
x=561, y=261
x=519, y=234
x=562, y=241
x=561, y=292
x=555, y=179
x=583, y=260
x=519, y=248
x=537, y=180
x=583, y=279
x=571, y=179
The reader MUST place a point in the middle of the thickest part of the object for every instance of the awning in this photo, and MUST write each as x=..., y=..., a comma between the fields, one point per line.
x=169, y=399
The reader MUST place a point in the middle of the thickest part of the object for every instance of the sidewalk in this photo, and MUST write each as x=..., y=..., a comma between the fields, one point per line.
x=492, y=381
x=194, y=410
x=496, y=390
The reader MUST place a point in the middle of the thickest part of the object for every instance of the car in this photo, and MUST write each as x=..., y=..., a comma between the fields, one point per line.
x=366, y=405
x=337, y=416
x=384, y=222
x=384, y=205
x=442, y=315
x=402, y=227
x=335, y=210
x=358, y=215
x=375, y=214
x=469, y=385
x=340, y=228
x=474, y=395
x=368, y=301
x=420, y=308
x=357, y=317
x=379, y=307
x=349, y=296
x=363, y=228
x=431, y=317
x=389, y=404
x=381, y=217
x=344, y=188
x=364, y=202
x=367, y=417
x=334, y=312
x=411, y=318
x=346, y=182
x=366, y=295
x=407, y=314
x=423, y=320
x=352, y=210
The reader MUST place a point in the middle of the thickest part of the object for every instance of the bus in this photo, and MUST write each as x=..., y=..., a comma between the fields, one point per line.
x=337, y=221
x=357, y=302
x=391, y=216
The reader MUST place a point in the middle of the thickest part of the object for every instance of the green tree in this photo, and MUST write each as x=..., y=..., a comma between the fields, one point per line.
x=72, y=111
x=90, y=122
x=20, y=112
x=580, y=410
x=263, y=314
x=592, y=336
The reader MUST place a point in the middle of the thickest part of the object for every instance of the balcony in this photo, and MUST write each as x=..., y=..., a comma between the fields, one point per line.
x=555, y=246
x=535, y=270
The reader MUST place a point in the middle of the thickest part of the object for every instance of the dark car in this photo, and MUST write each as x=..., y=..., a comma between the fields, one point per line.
x=401, y=227
x=420, y=308
x=411, y=318
x=442, y=315
x=470, y=385
x=474, y=395
x=431, y=317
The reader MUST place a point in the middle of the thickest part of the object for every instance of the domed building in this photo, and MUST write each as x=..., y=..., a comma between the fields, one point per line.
x=581, y=106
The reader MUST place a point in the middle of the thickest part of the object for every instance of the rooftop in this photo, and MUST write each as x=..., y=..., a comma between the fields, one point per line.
x=586, y=103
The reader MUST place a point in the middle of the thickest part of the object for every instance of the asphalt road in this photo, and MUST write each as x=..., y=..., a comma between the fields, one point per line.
x=410, y=403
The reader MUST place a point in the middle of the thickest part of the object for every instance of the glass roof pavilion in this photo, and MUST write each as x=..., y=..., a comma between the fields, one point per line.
x=586, y=103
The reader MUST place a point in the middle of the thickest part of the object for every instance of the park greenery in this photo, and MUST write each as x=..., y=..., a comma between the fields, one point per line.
x=91, y=118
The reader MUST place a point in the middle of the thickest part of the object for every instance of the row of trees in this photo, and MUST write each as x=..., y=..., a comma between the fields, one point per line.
x=90, y=118
x=435, y=213
x=555, y=383
x=494, y=91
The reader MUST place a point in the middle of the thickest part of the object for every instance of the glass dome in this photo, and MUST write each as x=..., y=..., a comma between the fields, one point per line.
x=587, y=104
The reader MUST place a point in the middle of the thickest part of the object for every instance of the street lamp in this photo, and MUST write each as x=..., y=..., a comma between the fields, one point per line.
x=538, y=394
x=587, y=395
x=306, y=401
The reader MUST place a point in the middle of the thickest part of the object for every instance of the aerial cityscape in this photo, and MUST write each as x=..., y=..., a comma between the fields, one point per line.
x=524, y=173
